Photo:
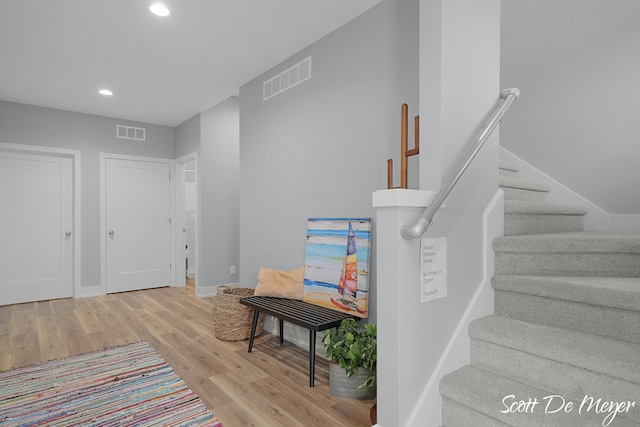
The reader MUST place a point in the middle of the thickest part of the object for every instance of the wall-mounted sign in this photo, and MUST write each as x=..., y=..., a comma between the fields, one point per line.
x=433, y=269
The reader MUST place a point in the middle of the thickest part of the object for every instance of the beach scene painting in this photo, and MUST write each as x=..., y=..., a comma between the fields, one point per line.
x=337, y=264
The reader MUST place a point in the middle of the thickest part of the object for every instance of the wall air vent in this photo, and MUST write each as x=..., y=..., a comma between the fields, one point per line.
x=287, y=79
x=129, y=132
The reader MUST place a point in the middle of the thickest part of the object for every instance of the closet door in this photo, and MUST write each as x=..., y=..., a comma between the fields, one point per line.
x=36, y=227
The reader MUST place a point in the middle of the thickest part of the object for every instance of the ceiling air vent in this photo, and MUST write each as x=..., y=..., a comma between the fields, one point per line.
x=129, y=132
x=287, y=79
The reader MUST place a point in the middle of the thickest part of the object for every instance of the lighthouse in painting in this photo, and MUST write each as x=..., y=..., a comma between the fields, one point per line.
x=348, y=286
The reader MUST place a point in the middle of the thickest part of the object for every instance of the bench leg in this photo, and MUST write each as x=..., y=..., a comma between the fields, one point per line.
x=312, y=357
x=281, y=330
x=253, y=328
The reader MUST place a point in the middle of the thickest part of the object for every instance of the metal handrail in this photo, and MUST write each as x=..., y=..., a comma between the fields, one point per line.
x=420, y=226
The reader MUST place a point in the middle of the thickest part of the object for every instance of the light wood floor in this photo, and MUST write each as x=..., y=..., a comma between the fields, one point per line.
x=268, y=387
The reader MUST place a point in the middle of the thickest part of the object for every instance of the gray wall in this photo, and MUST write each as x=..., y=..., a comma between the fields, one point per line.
x=188, y=135
x=219, y=200
x=25, y=124
x=320, y=149
x=577, y=65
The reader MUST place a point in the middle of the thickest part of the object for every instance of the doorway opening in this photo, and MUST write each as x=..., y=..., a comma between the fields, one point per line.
x=187, y=217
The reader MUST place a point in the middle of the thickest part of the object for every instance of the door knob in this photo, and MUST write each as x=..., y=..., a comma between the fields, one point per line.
x=68, y=234
x=111, y=232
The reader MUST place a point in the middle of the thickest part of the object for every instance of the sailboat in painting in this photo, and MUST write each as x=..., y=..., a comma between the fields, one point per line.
x=337, y=264
x=348, y=285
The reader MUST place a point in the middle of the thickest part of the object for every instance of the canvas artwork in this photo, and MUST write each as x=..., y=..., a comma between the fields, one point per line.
x=337, y=264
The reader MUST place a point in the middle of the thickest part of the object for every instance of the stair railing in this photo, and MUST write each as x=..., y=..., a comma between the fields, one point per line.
x=420, y=226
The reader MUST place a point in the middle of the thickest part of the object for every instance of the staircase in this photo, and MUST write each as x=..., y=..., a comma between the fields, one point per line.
x=563, y=348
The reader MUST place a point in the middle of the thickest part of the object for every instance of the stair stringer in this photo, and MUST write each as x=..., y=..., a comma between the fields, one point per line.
x=428, y=409
x=595, y=219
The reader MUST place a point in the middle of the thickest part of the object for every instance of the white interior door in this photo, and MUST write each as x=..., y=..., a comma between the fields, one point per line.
x=138, y=224
x=36, y=226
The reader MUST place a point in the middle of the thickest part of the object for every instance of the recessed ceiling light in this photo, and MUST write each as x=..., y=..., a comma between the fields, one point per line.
x=105, y=92
x=159, y=9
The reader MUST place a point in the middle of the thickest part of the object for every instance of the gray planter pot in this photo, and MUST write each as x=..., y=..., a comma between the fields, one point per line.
x=340, y=385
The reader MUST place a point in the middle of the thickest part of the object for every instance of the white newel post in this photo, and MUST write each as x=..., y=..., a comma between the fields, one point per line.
x=397, y=264
x=459, y=84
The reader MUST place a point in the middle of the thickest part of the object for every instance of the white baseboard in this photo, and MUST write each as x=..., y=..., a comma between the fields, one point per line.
x=91, y=291
x=210, y=291
x=628, y=222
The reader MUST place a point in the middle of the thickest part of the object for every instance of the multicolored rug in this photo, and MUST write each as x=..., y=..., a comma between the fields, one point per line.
x=130, y=385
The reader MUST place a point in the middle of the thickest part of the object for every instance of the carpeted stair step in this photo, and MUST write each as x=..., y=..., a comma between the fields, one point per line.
x=583, y=253
x=535, y=217
x=607, y=307
x=567, y=363
x=474, y=397
x=509, y=169
x=523, y=190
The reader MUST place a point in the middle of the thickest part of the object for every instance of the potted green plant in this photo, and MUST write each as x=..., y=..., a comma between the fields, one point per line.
x=353, y=353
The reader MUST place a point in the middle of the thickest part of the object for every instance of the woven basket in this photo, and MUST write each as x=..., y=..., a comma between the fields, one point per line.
x=232, y=320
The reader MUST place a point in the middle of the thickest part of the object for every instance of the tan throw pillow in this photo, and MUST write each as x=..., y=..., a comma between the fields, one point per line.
x=281, y=284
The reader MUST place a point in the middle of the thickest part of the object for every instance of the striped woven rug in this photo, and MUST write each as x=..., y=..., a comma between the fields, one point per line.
x=130, y=385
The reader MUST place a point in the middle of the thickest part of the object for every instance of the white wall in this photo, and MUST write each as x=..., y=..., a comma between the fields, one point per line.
x=26, y=124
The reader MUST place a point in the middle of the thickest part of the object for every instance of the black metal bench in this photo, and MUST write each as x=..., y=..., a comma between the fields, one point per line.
x=310, y=316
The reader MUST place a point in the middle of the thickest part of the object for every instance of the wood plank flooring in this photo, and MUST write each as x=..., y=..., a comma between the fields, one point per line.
x=268, y=387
